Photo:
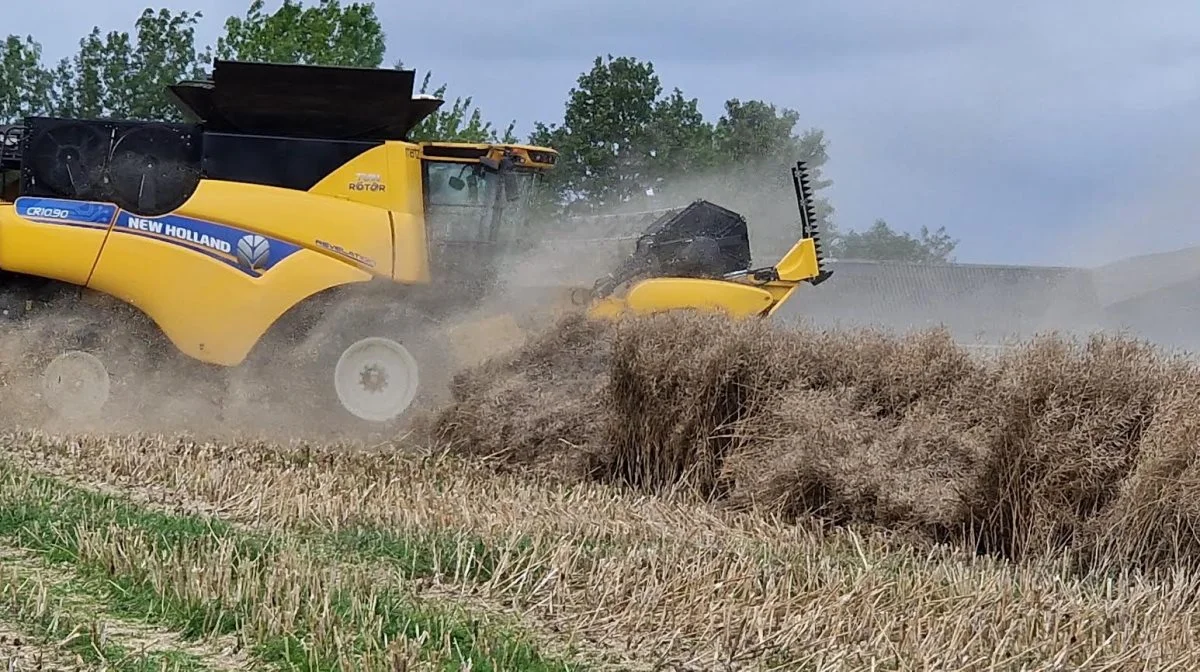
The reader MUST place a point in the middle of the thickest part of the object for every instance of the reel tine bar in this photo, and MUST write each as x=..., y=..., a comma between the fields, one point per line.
x=804, y=201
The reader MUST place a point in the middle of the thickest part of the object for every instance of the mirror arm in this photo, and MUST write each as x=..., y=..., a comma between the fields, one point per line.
x=504, y=166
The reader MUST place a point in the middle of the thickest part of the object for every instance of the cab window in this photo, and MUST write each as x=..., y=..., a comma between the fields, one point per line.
x=459, y=198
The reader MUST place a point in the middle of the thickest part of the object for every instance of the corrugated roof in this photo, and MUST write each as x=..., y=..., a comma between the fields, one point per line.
x=976, y=302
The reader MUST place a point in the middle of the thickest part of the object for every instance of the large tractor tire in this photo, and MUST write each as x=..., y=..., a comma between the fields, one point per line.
x=374, y=372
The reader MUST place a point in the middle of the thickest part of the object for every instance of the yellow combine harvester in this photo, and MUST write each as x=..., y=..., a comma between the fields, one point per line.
x=292, y=208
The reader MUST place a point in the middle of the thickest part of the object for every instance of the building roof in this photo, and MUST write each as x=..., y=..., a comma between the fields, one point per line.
x=975, y=301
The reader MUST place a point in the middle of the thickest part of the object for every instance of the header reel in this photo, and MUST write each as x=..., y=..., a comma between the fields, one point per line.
x=707, y=241
x=702, y=240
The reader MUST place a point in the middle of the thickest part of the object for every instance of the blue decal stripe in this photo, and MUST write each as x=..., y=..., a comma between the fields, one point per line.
x=202, y=236
x=216, y=241
x=210, y=253
x=227, y=259
x=181, y=243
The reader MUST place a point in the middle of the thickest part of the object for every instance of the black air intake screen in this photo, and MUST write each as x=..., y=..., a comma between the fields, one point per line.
x=147, y=168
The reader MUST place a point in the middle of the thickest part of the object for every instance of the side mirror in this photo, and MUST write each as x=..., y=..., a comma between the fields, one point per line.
x=456, y=183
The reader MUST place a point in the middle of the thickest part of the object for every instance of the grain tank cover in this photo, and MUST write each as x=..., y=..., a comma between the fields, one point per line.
x=306, y=101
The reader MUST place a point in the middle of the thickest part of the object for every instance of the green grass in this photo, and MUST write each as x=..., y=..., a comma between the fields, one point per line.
x=140, y=564
x=63, y=613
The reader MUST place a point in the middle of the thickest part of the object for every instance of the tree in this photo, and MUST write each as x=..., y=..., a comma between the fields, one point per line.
x=758, y=144
x=882, y=243
x=619, y=138
x=121, y=77
x=24, y=83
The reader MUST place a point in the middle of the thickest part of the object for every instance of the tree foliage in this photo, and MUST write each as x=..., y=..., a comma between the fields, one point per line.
x=620, y=137
x=627, y=146
x=758, y=144
x=882, y=243
x=324, y=34
x=330, y=34
x=25, y=86
x=118, y=75
x=125, y=77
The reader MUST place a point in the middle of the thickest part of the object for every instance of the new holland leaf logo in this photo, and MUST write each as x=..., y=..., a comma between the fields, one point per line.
x=253, y=251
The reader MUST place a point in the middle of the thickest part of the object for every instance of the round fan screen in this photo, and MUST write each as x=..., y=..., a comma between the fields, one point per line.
x=153, y=170
x=68, y=159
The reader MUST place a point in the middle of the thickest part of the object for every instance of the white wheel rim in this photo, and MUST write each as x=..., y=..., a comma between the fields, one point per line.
x=76, y=384
x=376, y=379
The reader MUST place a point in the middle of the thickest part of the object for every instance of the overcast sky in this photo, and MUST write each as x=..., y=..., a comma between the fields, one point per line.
x=1033, y=132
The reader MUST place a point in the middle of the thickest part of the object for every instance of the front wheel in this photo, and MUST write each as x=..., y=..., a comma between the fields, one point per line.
x=76, y=385
x=376, y=379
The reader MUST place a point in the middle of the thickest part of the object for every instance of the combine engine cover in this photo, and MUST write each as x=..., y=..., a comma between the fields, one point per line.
x=702, y=240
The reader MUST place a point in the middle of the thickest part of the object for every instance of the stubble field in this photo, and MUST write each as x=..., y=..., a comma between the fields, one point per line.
x=671, y=493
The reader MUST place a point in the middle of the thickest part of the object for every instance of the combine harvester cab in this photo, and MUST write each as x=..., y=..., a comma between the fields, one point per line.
x=289, y=189
x=698, y=258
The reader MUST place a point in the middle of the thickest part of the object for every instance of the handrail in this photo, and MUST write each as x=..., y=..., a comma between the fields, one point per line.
x=11, y=146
